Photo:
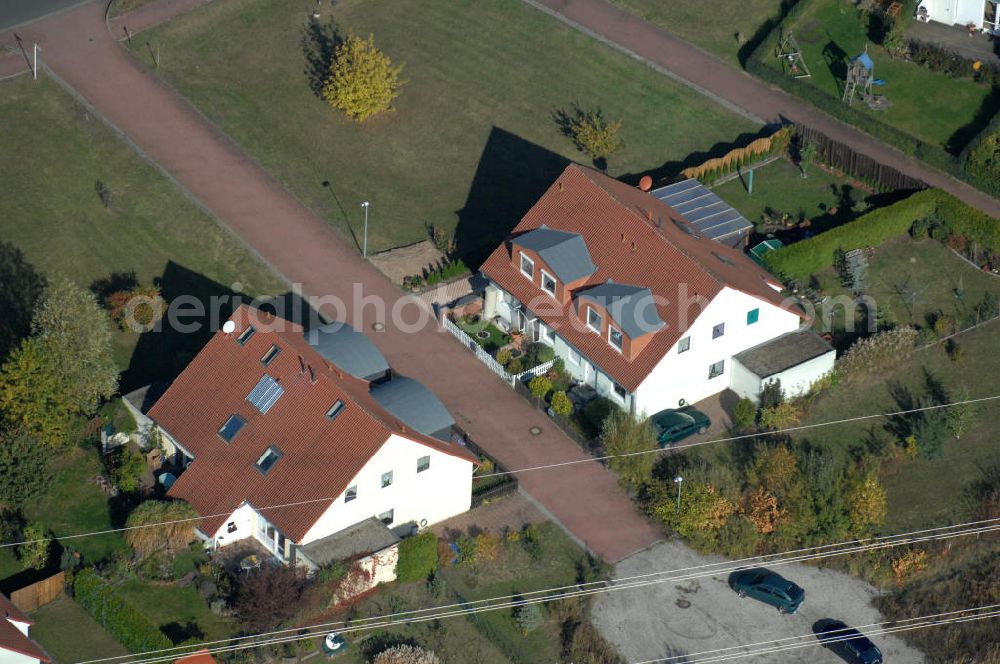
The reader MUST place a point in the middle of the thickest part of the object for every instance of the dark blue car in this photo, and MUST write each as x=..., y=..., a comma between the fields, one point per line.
x=850, y=644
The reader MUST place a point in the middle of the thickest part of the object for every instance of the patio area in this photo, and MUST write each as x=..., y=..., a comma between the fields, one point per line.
x=977, y=46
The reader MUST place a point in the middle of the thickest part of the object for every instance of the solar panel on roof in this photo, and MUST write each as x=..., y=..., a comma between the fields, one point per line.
x=703, y=208
x=265, y=394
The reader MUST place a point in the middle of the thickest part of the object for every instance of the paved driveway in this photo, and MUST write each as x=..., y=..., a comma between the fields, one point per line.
x=649, y=623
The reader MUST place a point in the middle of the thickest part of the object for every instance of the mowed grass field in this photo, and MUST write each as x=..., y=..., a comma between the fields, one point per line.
x=711, y=24
x=54, y=154
x=472, y=141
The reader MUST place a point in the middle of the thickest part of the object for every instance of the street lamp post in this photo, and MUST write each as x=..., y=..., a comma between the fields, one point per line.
x=364, y=250
x=678, y=481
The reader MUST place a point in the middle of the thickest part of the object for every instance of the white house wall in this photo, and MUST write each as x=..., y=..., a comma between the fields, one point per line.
x=244, y=518
x=441, y=491
x=11, y=657
x=952, y=12
x=745, y=382
x=796, y=380
x=685, y=375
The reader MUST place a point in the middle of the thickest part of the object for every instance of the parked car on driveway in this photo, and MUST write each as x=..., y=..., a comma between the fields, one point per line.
x=848, y=643
x=673, y=425
x=768, y=587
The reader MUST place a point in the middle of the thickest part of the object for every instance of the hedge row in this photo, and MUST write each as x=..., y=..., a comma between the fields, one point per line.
x=418, y=557
x=982, y=158
x=132, y=629
x=800, y=260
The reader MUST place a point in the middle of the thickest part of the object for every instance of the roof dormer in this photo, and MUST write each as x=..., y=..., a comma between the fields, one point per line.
x=555, y=261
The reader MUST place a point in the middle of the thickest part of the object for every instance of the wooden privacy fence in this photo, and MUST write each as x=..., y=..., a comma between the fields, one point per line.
x=843, y=157
x=39, y=593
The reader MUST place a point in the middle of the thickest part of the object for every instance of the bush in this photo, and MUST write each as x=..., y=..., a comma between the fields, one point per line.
x=405, y=653
x=561, y=405
x=504, y=356
x=528, y=617
x=23, y=467
x=540, y=387
x=128, y=467
x=744, y=415
x=418, y=557
x=594, y=413
x=781, y=416
x=132, y=629
x=877, y=352
x=181, y=520
x=983, y=163
x=37, y=548
x=537, y=353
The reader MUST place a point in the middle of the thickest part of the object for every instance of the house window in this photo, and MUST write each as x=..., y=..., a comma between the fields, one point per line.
x=620, y=392
x=386, y=479
x=268, y=459
x=718, y=330
x=232, y=427
x=753, y=316
x=245, y=336
x=684, y=345
x=548, y=283
x=231, y=527
x=547, y=333
x=615, y=337
x=386, y=517
x=716, y=369
x=594, y=320
x=269, y=356
x=527, y=266
x=423, y=463
x=574, y=357
x=335, y=409
x=351, y=493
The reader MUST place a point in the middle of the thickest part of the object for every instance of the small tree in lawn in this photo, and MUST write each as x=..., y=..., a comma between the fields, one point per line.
x=962, y=416
x=528, y=617
x=362, y=80
x=37, y=547
x=561, y=405
x=591, y=132
x=269, y=596
x=147, y=539
x=866, y=504
x=625, y=435
x=24, y=469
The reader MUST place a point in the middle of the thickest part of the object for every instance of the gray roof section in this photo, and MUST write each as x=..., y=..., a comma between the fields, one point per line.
x=361, y=539
x=415, y=405
x=711, y=215
x=632, y=307
x=565, y=253
x=781, y=353
x=342, y=345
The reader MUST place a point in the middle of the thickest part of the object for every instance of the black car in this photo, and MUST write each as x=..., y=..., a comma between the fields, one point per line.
x=850, y=644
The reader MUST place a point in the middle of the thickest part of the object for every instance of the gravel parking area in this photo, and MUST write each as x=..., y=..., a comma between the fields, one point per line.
x=678, y=618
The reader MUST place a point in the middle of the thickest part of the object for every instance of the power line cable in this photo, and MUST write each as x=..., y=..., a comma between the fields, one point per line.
x=410, y=617
x=523, y=470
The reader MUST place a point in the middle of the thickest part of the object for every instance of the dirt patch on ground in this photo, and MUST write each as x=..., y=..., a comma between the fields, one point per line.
x=406, y=261
x=691, y=616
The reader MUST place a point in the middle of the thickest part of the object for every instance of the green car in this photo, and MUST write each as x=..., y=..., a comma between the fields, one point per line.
x=672, y=425
x=768, y=587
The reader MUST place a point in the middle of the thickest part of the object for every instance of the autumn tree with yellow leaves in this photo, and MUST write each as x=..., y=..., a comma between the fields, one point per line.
x=363, y=81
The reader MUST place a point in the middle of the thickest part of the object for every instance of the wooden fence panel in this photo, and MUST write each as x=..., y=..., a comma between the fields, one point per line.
x=842, y=156
x=39, y=593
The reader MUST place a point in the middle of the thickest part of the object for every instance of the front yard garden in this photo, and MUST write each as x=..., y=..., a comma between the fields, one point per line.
x=472, y=142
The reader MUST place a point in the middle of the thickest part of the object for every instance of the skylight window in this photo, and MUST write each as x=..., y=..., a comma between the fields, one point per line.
x=335, y=409
x=232, y=427
x=268, y=459
x=684, y=227
x=269, y=356
x=245, y=335
x=265, y=394
x=722, y=258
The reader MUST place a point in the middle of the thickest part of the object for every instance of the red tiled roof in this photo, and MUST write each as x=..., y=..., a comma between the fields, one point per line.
x=654, y=254
x=11, y=637
x=197, y=657
x=320, y=456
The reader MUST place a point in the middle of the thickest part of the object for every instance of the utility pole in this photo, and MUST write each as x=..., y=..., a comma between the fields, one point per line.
x=678, y=481
x=27, y=60
x=364, y=250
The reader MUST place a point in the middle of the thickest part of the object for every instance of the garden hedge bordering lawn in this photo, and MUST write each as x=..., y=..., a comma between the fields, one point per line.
x=802, y=259
x=132, y=629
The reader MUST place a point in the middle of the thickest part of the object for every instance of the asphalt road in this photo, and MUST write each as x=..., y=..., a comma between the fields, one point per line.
x=685, y=617
x=17, y=12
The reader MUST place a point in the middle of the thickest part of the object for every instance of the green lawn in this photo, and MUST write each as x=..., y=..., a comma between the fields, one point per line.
x=180, y=613
x=73, y=504
x=911, y=280
x=69, y=634
x=711, y=24
x=778, y=187
x=472, y=142
x=57, y=152
x=928, y=105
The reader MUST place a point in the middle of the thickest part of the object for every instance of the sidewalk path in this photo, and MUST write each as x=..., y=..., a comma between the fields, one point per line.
x=681, y=60
x=585, y=497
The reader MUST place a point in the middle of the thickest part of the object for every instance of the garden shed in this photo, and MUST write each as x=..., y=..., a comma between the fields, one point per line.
x=798, y=359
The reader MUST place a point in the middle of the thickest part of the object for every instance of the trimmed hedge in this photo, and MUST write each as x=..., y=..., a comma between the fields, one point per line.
x=418, y=557
x=800, y=260
x=132, y=629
